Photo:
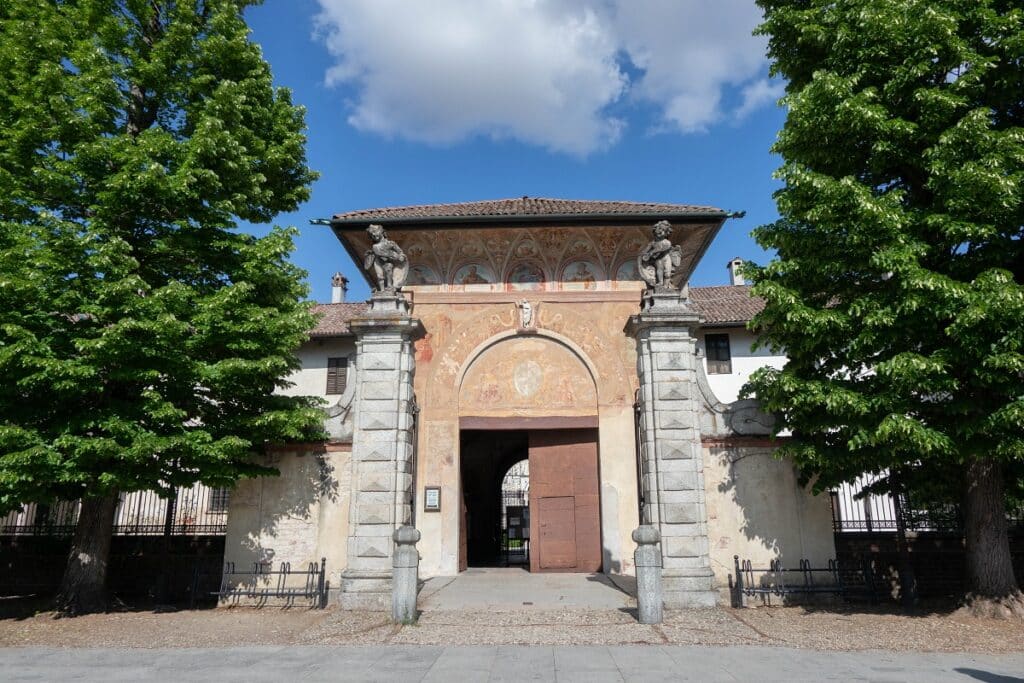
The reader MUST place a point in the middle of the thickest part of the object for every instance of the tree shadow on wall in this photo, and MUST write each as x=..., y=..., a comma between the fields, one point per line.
x=274, y=522
x=782, y=521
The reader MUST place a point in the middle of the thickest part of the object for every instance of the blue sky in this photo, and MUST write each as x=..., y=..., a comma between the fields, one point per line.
x=641, y=100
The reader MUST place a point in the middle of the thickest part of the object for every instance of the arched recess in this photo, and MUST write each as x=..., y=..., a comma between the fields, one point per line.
x=527, y=376
x=600, y=351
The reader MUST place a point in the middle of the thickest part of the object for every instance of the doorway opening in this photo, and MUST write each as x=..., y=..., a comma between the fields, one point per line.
x=530, y=498
x=495, y=498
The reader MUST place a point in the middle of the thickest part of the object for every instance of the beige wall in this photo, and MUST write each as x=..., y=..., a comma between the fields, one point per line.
x=298, y=517
x=758, y=510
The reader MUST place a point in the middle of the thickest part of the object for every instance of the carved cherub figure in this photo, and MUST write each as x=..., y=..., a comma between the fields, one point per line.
x=386, y=259
x=660, y=257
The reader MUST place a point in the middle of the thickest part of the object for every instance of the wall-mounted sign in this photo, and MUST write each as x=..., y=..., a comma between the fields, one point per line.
x=432, y=499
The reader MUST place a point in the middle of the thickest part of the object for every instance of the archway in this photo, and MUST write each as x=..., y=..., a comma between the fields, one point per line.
x=533, y=398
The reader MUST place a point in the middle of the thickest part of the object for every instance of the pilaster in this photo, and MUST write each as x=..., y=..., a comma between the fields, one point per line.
x=672, y=477
x=382, y=448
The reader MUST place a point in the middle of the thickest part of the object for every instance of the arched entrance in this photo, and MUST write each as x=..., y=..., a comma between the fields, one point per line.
x=529, y=398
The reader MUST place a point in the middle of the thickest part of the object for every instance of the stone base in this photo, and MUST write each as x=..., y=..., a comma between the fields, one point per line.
x=366, y=591
x=388, y=303
x=688, y=590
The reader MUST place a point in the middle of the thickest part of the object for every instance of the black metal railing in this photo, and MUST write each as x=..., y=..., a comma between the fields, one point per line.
x=854, y=511
x=806, y=580
x=262, y=582
x=194, y=511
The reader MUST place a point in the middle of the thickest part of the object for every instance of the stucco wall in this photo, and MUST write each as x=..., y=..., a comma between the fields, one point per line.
x=299, y=517
x=311, y=379
x=758, y=510
x=744, y=361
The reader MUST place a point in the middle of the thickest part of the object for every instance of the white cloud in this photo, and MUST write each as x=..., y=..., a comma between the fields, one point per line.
x=758, y=94
x=541, y=71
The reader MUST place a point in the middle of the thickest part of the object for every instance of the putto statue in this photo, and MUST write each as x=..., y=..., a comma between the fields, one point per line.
x=387, y=260
x=660, y=258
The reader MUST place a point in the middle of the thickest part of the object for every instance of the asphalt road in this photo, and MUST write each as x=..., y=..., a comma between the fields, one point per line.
x=502, y=663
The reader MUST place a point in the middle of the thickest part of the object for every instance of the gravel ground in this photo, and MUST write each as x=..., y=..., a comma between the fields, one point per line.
x=777, y=626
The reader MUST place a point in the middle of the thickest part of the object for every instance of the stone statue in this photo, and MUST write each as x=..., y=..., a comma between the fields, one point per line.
x=660, y=258
x=387, y=260
x=525, y=313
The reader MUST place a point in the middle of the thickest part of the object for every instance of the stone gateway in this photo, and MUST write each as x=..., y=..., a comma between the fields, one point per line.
x=545, y=373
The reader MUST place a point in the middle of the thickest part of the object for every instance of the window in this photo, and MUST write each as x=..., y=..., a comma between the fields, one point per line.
x=337, y=375
x=219, y=499
x=719, y=358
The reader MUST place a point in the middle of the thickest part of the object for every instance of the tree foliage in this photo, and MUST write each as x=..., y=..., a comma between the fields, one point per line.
x=898, y=287
x=142, y=335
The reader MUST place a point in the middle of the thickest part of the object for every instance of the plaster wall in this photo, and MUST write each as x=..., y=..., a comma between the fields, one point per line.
x=758, y=510
x=311, y=378
x=299, y=517
x=745, y=361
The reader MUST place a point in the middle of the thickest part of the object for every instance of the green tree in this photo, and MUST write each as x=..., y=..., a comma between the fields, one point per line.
x=141, y=335
x=897, y=291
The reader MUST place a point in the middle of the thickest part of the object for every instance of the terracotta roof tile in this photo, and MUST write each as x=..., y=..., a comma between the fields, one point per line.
x=726, y=304
x=525, y=206
x=719, y=305
x=334, y=319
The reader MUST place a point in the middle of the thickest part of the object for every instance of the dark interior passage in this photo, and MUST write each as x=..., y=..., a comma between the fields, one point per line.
x=486, y=458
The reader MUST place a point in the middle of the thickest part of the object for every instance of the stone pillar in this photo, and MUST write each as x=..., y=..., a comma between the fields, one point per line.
x=672, y=478
x=382, y=449
x=406, y=575
x=647, y=558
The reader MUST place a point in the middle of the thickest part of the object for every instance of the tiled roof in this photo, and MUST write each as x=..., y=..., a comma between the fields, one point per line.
x=526, y=207
x=719, y=306
x=334, y=319
x=726, y=304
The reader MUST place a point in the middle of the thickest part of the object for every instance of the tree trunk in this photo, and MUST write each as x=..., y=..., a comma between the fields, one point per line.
x=83, y=587
x=908, y=580
x=993, y=588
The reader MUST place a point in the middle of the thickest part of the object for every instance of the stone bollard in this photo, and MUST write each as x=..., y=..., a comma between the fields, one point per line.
x=405, y=575
x=647, y=557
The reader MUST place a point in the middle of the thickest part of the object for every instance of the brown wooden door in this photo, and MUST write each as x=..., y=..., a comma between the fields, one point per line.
x=565, y=517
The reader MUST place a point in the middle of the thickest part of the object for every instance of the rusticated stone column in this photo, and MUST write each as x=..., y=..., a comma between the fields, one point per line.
x=382, y=448
x=670, y=450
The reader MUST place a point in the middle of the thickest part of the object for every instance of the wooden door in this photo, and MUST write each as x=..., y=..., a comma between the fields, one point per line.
x=565, y=516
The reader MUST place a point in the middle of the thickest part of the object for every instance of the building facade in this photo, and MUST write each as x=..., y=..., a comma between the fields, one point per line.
x=545, y=336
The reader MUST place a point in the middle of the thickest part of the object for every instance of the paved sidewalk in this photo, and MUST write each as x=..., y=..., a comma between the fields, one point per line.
x=512, y=588
x=503, y=663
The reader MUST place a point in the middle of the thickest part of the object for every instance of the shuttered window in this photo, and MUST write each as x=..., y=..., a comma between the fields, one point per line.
x=337, y=375
x=719, y=357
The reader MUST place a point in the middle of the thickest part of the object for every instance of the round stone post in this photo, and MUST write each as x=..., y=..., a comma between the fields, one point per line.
x=405, y=575
x=647, y=557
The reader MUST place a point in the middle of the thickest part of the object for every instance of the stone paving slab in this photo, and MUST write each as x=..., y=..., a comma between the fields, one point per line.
x=504, y=663
x=512, y=588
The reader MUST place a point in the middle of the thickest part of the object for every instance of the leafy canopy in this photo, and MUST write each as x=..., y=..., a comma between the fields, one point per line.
x=141, y=335
x=898, y=287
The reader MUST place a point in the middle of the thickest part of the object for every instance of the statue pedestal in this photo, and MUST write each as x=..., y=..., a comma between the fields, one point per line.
x=672, y=472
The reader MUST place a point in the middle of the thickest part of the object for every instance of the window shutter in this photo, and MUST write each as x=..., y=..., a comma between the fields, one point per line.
x=718, y=354
x=337, y=375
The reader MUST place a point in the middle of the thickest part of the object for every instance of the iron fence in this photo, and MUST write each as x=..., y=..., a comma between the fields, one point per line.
x=852, y=511
x=193, y=511
x=806, y=580
x=263, y=582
